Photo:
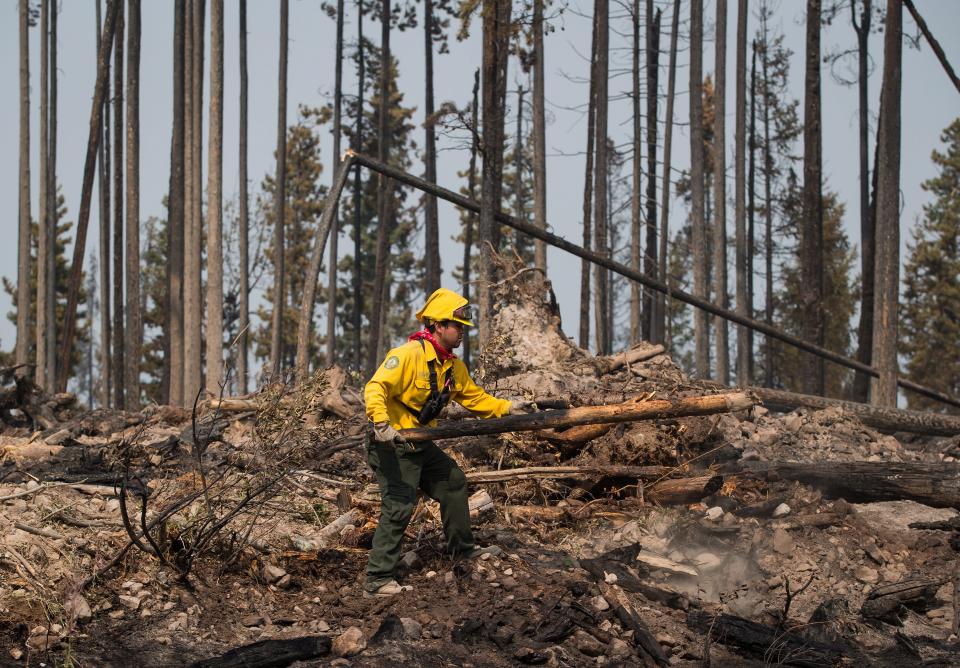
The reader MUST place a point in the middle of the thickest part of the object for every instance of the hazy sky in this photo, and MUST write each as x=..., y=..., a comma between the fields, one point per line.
x=930, y=103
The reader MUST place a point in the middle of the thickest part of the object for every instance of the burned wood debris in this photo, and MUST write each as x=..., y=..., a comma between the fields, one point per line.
x=238, y=535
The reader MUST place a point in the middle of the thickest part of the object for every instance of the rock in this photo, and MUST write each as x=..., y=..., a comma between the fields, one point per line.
x=667, y=640
x=412, y=629
x=255, y=619
x=77, y=607
x=508, y=582
x=619, y=649
x=867, y=574
x=430, y=575
x=284, y=582
x=937, y=613
x=664, y=564
x=131, y=602
x=587, y=644
x=750, y=455
x=272, y=573
x=782, y=510
x=410, y=561
x=599, y=603
x=448, y=577
x=133, y=587
x=707, y=561
x=793, y=422
x=40, y=639
x=57, y=438
x=16, y=653
x=610, y=578
x=714, y=514
x=782, y=542
x=349, y=643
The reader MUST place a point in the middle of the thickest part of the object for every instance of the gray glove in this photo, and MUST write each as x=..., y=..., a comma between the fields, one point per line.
x=520, y=406
x=385, y=433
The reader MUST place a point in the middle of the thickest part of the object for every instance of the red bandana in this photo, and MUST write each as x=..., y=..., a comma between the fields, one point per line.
x=442, y=352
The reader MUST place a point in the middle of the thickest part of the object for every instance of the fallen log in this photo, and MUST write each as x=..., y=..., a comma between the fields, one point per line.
x=884, y=419
x=811, y=521
x=628, y=616
x=935, y=485
x=615, y=562
x=568, y=472
x=637, y=354
x=678, y=491
x=270, y=653
x=888, y=602
x=773, y=645
x=571, y=417
x=328, y=534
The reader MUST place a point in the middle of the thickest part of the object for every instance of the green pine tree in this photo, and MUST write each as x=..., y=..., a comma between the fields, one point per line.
x=63, y=240
x=841, y=295
x=930, y=320
x=304, y=205
x=405, y=270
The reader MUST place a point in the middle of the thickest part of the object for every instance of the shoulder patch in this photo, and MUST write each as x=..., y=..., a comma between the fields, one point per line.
x=392, y=362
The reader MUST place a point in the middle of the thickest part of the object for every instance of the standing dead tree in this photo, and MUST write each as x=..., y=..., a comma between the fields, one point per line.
x=86, y=192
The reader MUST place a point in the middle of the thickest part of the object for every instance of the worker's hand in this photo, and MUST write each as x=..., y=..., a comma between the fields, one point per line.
x=385, y=433
x=520, y=406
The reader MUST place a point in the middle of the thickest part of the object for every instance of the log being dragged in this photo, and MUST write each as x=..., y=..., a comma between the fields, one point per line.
x=774, y=646
x=884, y=419
x=626, y=412
x=935, y=485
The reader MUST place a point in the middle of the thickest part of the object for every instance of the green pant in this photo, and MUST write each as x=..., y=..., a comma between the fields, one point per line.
x=399, y=473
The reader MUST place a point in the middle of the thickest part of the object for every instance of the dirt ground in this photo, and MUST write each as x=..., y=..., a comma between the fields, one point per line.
x=612, y=578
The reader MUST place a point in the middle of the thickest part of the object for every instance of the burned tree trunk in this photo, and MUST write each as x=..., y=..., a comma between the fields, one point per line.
x=935, y=485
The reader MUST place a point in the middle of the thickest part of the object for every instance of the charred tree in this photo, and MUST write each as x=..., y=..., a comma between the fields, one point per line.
x=739, y=207
x=358, y=202
x=660, y=331
x=43, y=238
x=173, y=341
x=588, y=194
x=635, y=194
x=86, y=191
x=134, y=329
x=539, y=137
x=496, y=45
x=103, y=192
x=375, y=343
x=601, y=184
x=884, y=389
x=868, y=242
x=214, y=318
x=335, y=231
x=698, y=222
x=653, y=75
x=431, y=226
x=811, y=233
x=720, y=193
x=280, y=197
x=119, y=340
x=23, y=230
x=244, y=301
x=472, y=192
x=751, y=203
x=193, y=236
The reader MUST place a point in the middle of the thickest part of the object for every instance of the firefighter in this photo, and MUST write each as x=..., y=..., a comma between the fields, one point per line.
x=413, y=384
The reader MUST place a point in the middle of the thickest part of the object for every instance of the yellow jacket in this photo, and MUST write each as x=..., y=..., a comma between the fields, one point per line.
x=404, y=378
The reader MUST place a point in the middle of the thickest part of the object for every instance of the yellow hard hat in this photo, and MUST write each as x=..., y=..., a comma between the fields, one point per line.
x=445, y=305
